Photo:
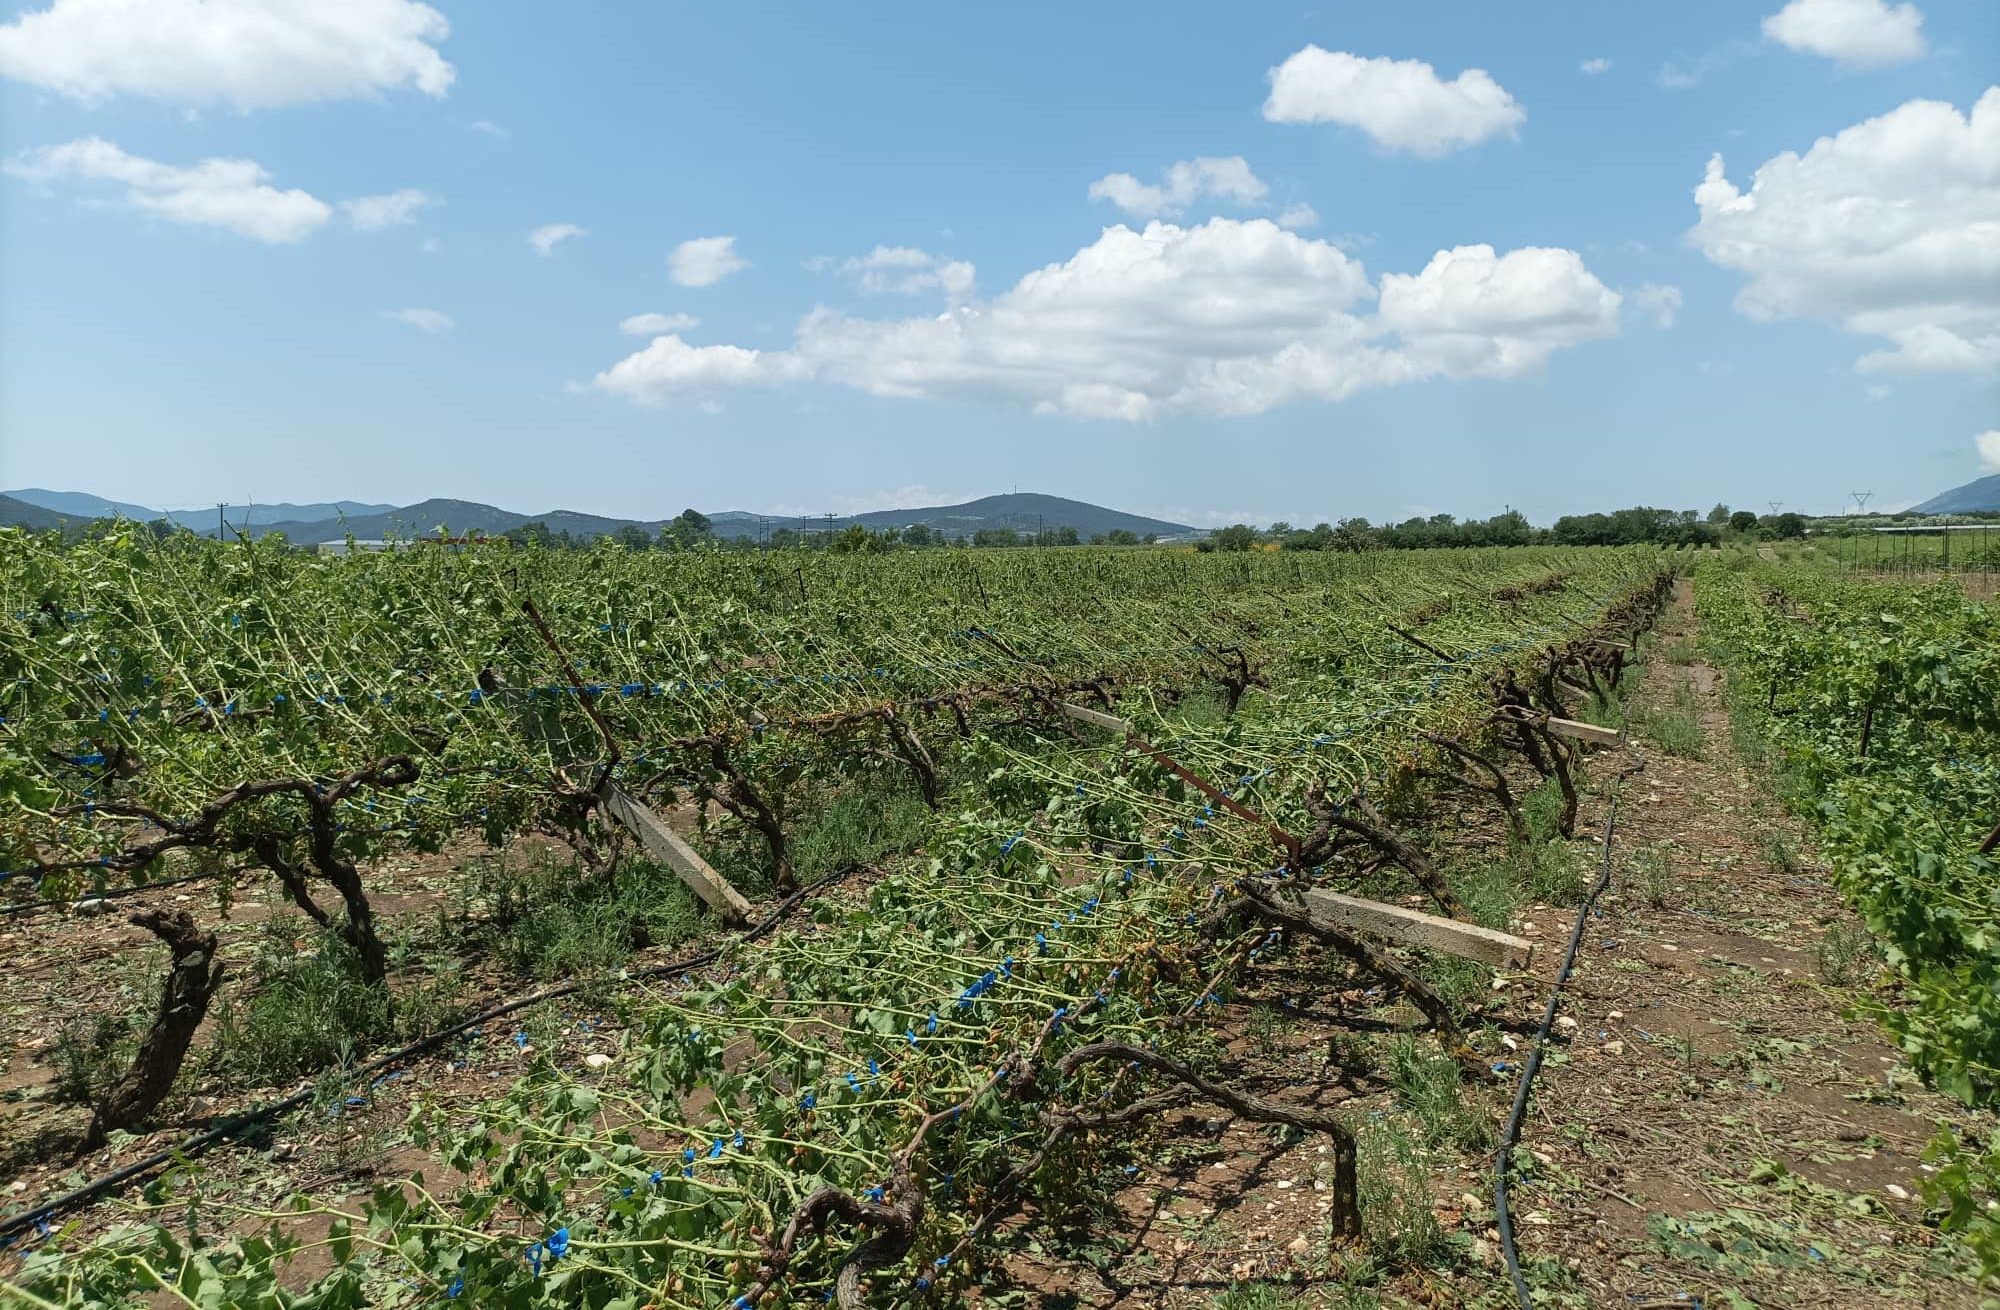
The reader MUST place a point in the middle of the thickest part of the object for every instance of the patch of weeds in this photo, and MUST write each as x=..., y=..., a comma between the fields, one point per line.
x=1747, y=729
x=1649, y=875
x=306, y=1004
x=91, y=1051
x=1847, y=955
x=1258, y=1296
x=1266, y=1026
x=553, y=922
x=430, y=991
x=1488, y=891
x=1675, y=729
x=1202, y=707
x=544, y=1027
x=1541, y=810
x=1460, y=982
x=1555, y=872
x=1680, y=651
x=1355, y=1054
x=1430, y=1086
x=866, y=819
x=1779, y=853
x=1605, y=707
x=1398, y=1225
x=860, y=826
x=356, y=1137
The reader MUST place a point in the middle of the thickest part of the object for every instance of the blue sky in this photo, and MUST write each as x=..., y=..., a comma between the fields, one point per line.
x=175, y=333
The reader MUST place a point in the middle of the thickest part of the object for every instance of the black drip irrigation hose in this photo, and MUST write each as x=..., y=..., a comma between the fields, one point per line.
x=1510, y=1136
x=108, y=894
x=12, y=1228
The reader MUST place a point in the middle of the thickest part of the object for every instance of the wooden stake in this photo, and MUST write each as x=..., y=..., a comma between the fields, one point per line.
x=665, y=845
x=1398, y=923
x=1585, y=731
x=1097, y=718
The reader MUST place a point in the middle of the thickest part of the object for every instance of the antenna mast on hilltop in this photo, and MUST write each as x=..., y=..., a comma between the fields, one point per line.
x=1861, y=500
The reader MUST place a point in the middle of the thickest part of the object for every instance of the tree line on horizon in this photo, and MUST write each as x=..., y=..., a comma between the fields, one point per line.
x=1639, y=525
x=1511, y=528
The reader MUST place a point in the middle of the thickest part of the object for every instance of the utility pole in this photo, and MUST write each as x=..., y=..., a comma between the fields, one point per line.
x=1861, y=500
x=221, y=523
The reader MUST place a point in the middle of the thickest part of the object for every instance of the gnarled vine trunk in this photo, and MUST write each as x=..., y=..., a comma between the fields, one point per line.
x=190, y=985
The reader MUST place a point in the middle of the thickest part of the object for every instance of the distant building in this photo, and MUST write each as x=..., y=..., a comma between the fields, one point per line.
x=344, y=546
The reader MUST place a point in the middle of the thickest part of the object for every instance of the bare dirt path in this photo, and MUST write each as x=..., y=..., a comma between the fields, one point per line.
x=1720, y=1126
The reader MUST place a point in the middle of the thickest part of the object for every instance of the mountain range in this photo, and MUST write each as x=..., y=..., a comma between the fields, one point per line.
x=81, y=506
x=1025, y=512
x=1980, y=496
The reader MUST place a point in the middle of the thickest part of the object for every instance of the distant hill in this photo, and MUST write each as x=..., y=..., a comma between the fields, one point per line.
x=1977, y=497
x=1025, y=512
x=203, y=520
x=81, y=507
x=306, y=525
x=1022, y=511
x=20, y=514
x=422, y=519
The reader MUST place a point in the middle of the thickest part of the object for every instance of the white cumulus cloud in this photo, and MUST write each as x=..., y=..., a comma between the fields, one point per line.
x=1988, y=445
x=250, y=54
x=1298, y=216
x=1663, y=302
x=1472, y=313
x=432, y=321
x=653, y=325
x=1402, y=103
x=669, y=364
x=1593, y=67
x=906, y=270
x=228, y=193
x=1228, y=317
x=1184, y=183
x=1890, y=228
x=373, y=213
x=1859, y=33
x=546, y=237
x=704, y=261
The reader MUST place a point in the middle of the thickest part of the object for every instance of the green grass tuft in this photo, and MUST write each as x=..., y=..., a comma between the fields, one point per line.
x=553, y=921
x=1675, y=728
x=307, y=1005
x=1398, y=1224
x=1430, y=1086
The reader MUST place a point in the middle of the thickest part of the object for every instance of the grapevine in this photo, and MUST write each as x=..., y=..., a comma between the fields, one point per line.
x=846, y=1108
